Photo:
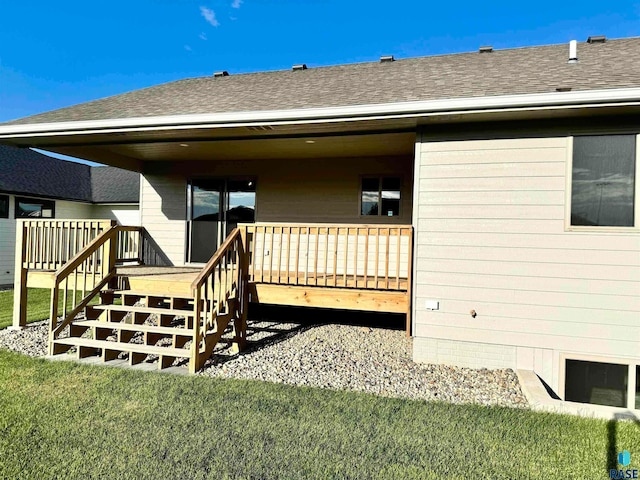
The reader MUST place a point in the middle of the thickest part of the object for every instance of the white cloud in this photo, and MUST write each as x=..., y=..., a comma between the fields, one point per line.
x=203, y=36
x=236, y=4
x=187, y=48
x=210, y=16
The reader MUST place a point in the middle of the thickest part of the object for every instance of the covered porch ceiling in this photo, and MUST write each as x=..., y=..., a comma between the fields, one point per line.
x=367, y=131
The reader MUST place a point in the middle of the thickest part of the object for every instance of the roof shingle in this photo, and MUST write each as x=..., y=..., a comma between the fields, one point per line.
x=26, y=172
x=613, y=64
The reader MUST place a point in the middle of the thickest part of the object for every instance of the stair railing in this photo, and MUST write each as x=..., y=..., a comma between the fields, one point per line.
x=221, y=296
x=79, y=280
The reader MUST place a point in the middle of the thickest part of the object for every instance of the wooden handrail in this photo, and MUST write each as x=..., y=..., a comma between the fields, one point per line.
x=215, y=259
x=220, y=296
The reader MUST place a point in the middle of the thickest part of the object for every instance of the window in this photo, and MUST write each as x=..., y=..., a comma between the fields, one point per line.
x=4, y=206
x=602, y=383
x=34, y=208
x=380, y=196
x=603, y=181
x=638, y=387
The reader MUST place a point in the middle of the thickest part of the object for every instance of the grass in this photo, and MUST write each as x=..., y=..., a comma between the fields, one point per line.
x=38, y=305
x=63, y=420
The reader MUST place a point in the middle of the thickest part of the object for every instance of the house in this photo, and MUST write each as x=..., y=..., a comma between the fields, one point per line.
x=490, y=195
x=36, y=186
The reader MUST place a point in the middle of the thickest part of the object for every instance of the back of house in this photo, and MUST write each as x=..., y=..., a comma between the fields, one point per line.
x=503, y=184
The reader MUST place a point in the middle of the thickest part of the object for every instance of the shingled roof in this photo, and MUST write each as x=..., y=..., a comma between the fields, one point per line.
x=612, y=64
x=26, y=172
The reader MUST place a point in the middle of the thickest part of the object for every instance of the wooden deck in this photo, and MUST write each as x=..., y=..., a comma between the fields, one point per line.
x=348, y=267
x=279, y=291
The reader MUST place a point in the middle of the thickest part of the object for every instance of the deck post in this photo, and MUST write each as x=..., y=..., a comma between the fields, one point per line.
x=409, y=285
x=243, y=293
x=53, y=314
x=20, y=280
x=194, y=361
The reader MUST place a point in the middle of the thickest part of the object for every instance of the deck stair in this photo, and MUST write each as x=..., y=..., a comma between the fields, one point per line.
x=140, y=326
x=179, y=327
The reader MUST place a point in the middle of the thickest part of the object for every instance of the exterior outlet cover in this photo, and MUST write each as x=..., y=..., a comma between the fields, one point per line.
x=432, y=305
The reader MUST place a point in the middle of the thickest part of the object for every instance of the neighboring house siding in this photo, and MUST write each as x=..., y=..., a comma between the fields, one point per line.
x=491, y=238
x=296, y=191
x=123, y=214
x=7, y=245
x=129, y=214
x=65, y=209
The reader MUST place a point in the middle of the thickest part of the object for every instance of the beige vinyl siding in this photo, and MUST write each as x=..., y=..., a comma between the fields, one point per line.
x=124, y=214
x=66, y=209
x=163, y=211
x=491, y=237
x=295, y=191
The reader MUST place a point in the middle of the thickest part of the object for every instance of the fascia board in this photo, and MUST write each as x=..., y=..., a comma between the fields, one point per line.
x=417, y=109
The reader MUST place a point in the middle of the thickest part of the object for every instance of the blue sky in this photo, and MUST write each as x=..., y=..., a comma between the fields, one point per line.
x=56, y=54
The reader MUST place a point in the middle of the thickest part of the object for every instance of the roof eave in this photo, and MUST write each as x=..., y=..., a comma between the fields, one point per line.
x=417, y=109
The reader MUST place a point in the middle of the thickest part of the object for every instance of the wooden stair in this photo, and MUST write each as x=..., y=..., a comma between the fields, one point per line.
x=137, y=325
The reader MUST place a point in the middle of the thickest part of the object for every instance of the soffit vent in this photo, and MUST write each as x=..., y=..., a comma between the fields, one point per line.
x=597, y=39
x=387, y=59
x=486, y=49
x=222, y=73
x=300, y=66
x=260, y=128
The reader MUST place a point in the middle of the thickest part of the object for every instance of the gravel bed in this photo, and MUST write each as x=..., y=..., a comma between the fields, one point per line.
x=31, y=341
x=373, y=360
x=343, y=357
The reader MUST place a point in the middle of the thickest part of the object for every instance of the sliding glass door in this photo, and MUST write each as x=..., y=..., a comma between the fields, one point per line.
x=216, y=206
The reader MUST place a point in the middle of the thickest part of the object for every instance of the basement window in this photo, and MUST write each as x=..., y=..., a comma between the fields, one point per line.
x=602, y=383
x=4, y=206
x=380, y=196
x=34, y=208
x=603, y=181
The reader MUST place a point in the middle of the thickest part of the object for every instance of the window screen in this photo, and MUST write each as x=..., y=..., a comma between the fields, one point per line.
x=603, y=180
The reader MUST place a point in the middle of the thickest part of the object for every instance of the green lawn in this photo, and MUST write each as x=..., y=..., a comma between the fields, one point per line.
x=38, y=304
x=38, y=300
x=63, y=420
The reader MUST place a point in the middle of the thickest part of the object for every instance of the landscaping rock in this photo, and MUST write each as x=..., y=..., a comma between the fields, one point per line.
x=31, y=340
x=373, y=360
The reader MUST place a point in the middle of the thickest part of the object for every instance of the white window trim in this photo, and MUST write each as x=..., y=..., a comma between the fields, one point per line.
x=631, y=363
x=569, y=186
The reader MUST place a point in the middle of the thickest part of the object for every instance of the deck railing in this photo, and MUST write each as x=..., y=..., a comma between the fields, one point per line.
x=56, y=245
x=221, y=297
x=348, y=256
x=49, y=244
x=130, y=245
x=80, y=279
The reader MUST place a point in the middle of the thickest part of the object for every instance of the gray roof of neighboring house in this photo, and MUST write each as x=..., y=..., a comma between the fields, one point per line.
x=114, y=185
x=613, y=64
x=26, y=172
